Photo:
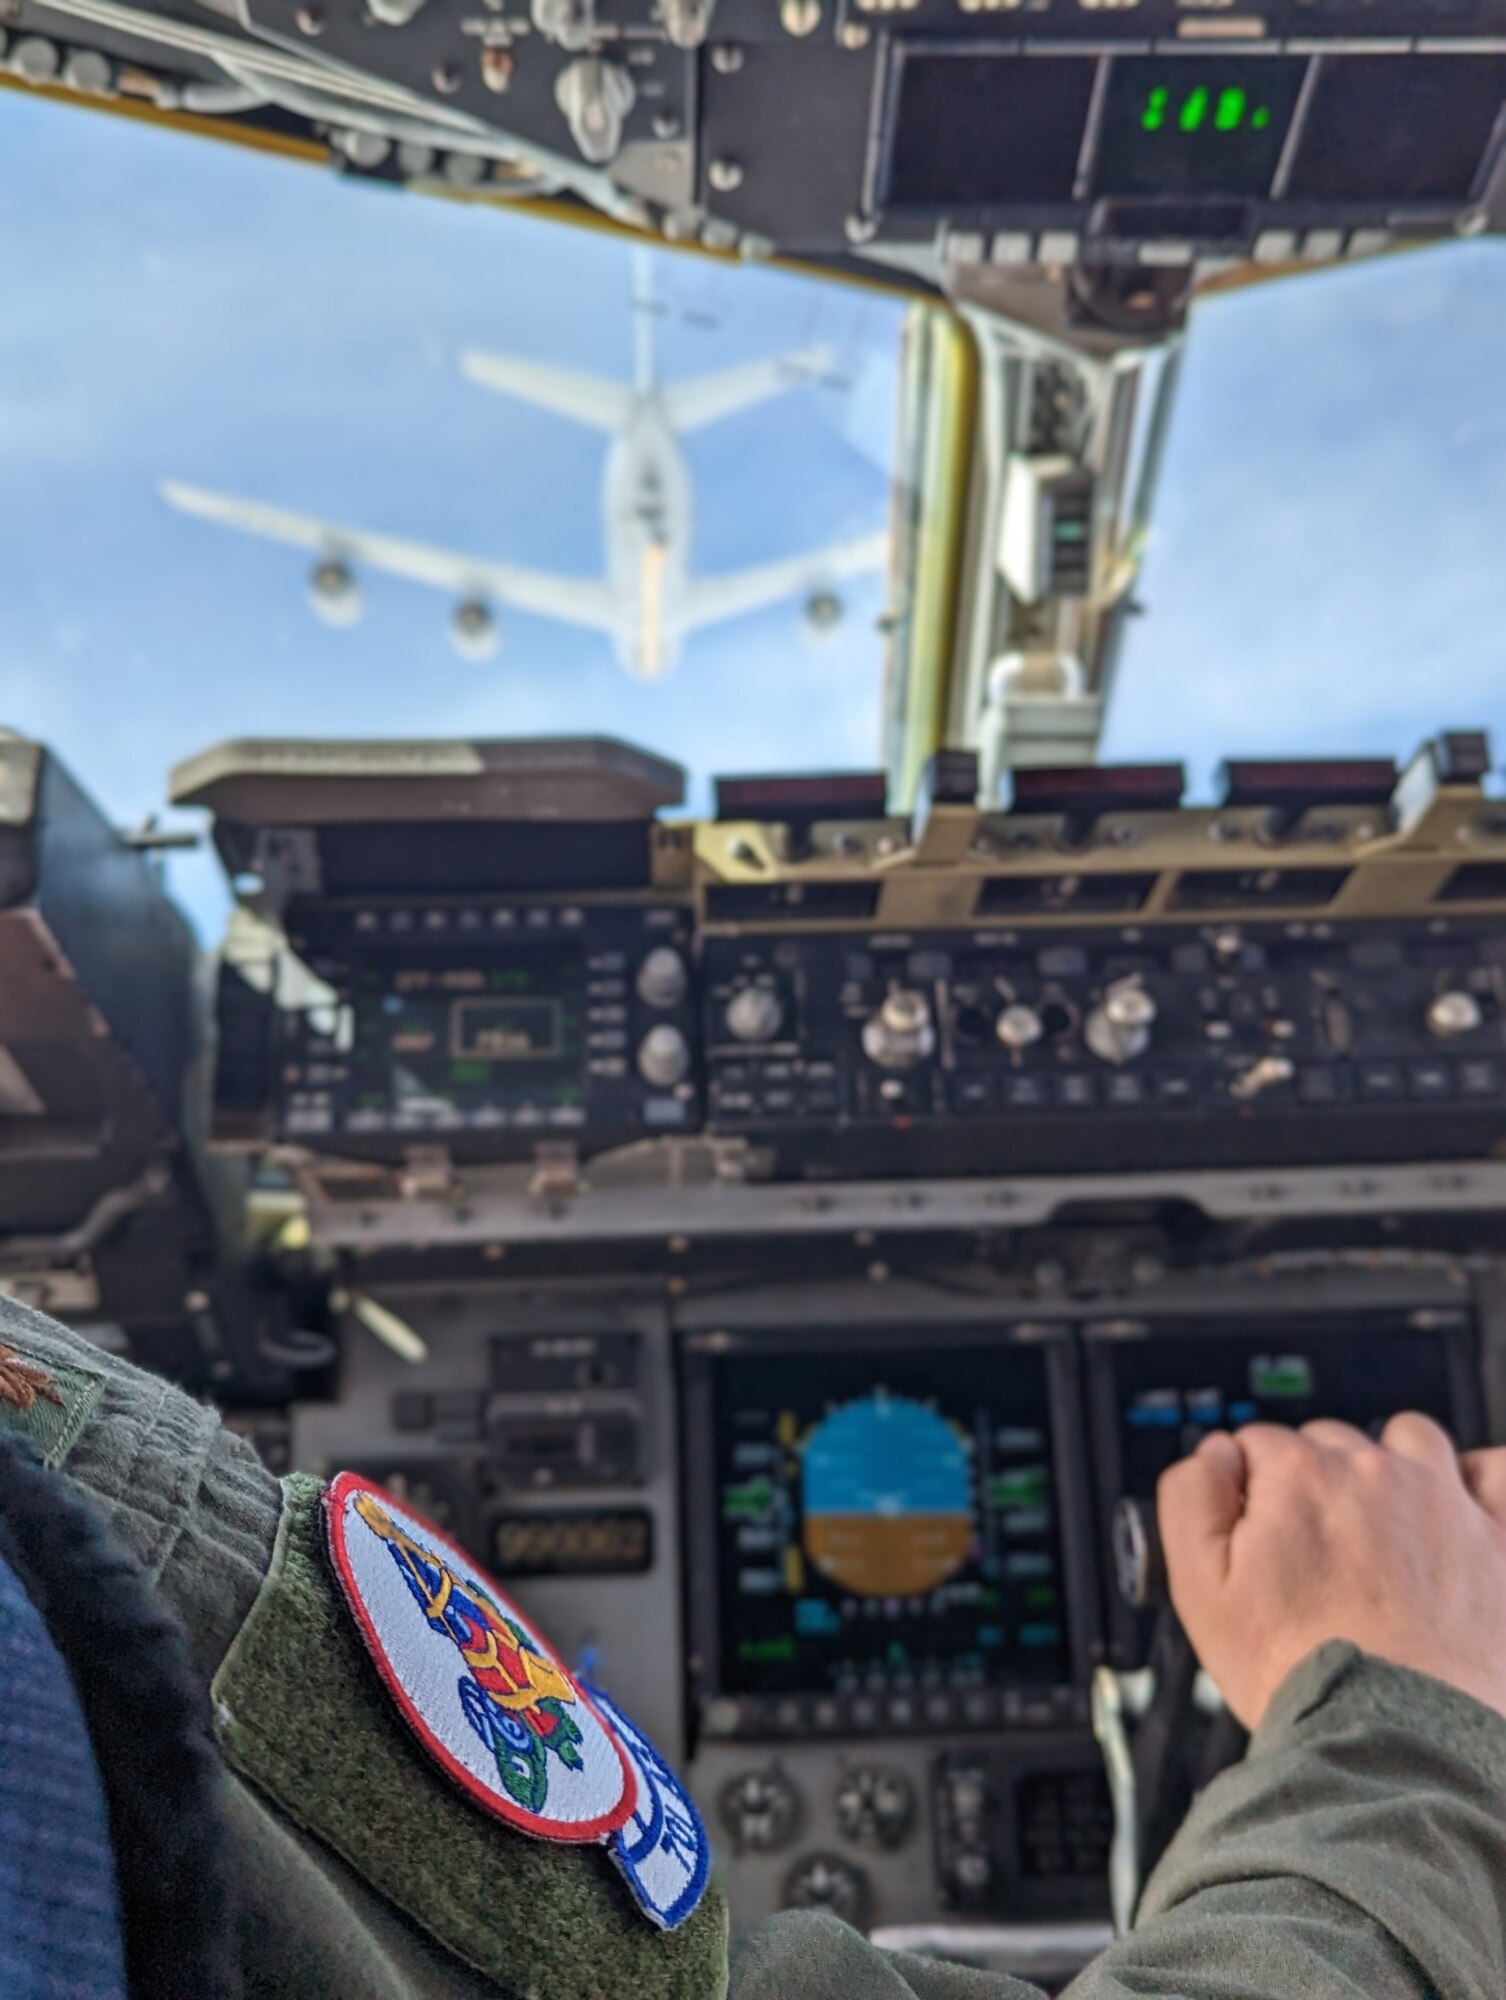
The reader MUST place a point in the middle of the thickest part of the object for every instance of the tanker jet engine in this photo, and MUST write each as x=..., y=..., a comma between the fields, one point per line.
x=648, y=600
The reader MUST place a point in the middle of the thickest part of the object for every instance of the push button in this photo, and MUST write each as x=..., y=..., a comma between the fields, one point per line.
x=1430, y=1080
x=1479, y=1078
x=1024, y=1093
x=1125, y=1088
x=1381, y=1082
x=1076, y=1089
x=1323, y=1083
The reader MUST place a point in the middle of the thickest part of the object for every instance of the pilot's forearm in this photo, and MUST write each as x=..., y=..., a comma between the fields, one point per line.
x=1359, y=1853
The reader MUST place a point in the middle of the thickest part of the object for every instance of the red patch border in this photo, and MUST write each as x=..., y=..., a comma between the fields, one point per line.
x=575, y=1832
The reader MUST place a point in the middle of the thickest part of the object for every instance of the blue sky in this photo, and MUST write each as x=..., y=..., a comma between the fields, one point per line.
x=190, y=310
x=1327, y=570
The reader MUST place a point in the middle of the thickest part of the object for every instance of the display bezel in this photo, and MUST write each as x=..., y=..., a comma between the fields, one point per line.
x=702, y=1352
x=1092, y=209
x=966, y=54
x=1103, y=1342
x=345, y=940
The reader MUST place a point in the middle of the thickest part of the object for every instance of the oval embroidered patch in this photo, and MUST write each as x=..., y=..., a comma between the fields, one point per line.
x=476, y=1683
x=662, y=1851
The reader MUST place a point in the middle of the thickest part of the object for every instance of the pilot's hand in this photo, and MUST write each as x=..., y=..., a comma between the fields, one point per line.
x=1277, y=1540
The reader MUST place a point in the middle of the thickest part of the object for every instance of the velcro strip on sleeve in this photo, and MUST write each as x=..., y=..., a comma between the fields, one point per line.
x=300, y=1712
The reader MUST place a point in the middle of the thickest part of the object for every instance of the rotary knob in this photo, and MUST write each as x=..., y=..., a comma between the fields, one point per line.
x=827, y=1882
x=874, y=1807
x=972, y=1871
x=755, y=1014
x=1454, y=1013
x=1018, y=1026
x=761, y=1810
x=664, y=1057
x=571, y=24
x=1118, y=1029
x=662, y=978
x=900, y=1034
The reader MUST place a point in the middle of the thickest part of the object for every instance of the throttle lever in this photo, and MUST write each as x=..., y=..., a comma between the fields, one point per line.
x=1153, y=1775
x=1139, y=1558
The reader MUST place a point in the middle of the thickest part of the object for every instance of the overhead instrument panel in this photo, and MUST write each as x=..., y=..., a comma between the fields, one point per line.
x=605, y=85
x=921, y=134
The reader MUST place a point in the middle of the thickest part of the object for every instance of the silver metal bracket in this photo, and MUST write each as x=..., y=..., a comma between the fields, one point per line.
x=428, y=1174
x=556, y=1173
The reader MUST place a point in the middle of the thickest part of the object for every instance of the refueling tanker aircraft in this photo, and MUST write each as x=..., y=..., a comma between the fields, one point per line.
x=648, y=600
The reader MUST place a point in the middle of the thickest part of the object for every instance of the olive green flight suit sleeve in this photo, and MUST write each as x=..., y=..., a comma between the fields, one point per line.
x=196, y=1507
x=1358, y=1853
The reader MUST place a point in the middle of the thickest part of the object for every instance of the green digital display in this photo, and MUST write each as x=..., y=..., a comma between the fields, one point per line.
x=1188, y=126
x=1230, y=111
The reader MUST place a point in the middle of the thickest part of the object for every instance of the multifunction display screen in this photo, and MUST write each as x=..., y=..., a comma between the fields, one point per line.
x=1171, y=1389
x=887, y=1520
x=436, y=1040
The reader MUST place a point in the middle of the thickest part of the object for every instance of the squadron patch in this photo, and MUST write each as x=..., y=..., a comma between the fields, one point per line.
x=662, y=1850
x=511, y=1727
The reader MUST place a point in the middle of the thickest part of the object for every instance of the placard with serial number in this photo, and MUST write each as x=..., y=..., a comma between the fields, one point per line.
x=589, y=1541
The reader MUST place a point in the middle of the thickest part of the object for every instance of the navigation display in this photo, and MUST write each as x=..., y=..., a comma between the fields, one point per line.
x=1171, y=1389
x=887, y=1520
x=433, y=1043
x=1156, y=1395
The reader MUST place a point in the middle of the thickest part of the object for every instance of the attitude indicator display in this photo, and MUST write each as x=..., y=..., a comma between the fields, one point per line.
x=887, y=1522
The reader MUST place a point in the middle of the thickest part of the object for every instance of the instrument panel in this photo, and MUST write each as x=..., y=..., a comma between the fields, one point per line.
x=1061, y=135
x=1208, y=1045
x=494, y=1030
x=490, y=1027
x=1096, y=980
